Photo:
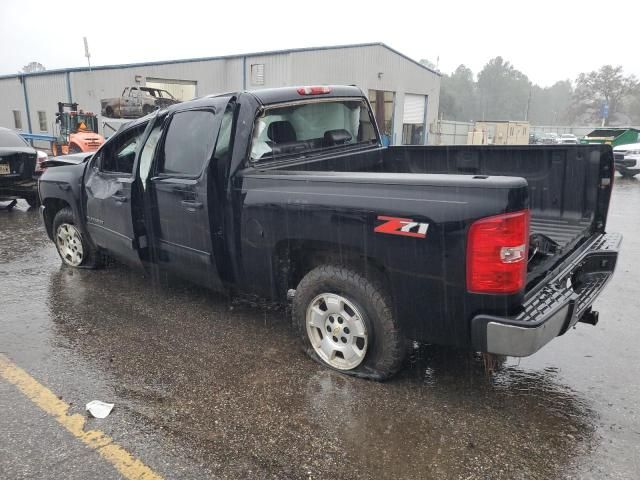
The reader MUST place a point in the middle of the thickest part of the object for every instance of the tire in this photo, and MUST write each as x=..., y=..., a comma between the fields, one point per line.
x=147, y=109
x=33, y=200
x=109, y=112
x=74, y=250
x=373, y=347
x=73, y=148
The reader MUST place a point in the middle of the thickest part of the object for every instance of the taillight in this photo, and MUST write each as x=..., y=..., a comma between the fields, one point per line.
x=497, y=253
x=41, y=157
x=314, y=90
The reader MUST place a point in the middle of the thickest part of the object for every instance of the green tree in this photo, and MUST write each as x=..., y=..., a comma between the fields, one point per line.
x=551, y=105
x=606, y=86
x=458, y=95
x=503, y=91
x=33, y=67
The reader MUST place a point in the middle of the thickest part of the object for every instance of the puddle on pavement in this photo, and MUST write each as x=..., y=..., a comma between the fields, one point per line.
x=230, y=380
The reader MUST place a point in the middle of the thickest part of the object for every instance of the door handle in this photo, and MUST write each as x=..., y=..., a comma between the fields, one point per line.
x=119, y=198
x=191, y=205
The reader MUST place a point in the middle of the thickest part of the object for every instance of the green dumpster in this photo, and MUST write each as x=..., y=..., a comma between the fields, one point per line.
x=613, y=136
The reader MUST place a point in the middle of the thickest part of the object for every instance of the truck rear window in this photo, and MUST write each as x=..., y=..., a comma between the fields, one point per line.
x=312, y=127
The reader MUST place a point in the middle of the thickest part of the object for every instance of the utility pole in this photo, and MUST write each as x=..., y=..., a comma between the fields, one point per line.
x=86, y=52
x=526, y=113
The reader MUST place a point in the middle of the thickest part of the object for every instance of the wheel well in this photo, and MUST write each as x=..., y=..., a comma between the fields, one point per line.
x=51, y=207
x=294, y=259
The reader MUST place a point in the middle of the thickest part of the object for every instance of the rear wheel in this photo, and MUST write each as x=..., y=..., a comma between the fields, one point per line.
x=73, y=248
x=73, y=148
x=345, y=322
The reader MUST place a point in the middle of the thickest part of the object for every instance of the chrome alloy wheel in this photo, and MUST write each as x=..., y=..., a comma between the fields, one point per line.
x=69, y=244
x=337, y=331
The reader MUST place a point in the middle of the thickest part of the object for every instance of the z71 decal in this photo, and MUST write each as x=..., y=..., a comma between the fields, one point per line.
x=402, y=226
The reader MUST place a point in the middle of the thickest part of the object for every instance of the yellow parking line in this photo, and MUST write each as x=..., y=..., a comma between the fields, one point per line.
x=129, y=466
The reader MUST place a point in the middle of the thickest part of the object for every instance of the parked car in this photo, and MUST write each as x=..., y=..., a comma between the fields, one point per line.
x=20, y=167
x=136, y=102
x=627, y=159
x=548, y=138
x=568, y=139
x=289, y=193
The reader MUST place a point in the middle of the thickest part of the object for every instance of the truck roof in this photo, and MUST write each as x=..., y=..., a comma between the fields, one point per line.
x=288, y=94
x=266, y=96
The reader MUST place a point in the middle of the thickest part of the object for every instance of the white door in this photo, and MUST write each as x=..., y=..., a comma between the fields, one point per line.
x=413, y=109
x=413, y=128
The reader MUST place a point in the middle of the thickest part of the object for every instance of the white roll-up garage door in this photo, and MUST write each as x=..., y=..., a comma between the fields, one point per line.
x=413, y=109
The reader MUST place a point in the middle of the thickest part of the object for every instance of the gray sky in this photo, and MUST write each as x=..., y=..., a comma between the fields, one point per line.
x=547, y=40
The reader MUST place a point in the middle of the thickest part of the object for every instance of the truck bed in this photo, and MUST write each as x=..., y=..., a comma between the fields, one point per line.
x=563, y=232
x=565, y=197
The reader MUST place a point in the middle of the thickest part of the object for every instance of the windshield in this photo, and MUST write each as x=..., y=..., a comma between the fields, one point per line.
x=312, y=127
x=86, y=123
x=11, y=139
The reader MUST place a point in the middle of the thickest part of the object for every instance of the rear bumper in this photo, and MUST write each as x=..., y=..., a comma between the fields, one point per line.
x=18, y=187
x=555, y=307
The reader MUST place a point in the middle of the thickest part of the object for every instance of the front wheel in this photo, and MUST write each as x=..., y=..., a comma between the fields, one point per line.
x=73, y=248
x=345, y=321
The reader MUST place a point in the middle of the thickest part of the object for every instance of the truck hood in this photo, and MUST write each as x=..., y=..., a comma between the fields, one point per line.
x=72, y=159
x=629, y=146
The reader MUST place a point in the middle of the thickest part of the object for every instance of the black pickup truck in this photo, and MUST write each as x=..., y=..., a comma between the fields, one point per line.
x=289, y=194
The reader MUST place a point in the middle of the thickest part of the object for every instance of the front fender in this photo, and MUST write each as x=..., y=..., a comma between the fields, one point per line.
x=59, y=187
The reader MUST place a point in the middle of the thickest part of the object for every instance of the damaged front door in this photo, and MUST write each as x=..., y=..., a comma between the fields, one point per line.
x=109, y=181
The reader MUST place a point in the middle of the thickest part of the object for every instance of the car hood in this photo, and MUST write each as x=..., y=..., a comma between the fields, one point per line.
x=629, y=146
x=72, y=159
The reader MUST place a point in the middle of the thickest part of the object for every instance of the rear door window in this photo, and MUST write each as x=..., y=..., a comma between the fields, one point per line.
x=189, y=143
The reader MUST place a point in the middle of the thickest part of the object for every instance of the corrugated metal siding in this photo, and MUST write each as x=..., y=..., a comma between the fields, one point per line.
x=44, y=94
x=277, y=71
x=11, y=98
x=351, y=65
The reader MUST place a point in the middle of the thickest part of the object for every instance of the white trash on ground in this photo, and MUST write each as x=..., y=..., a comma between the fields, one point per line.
x=99, y=409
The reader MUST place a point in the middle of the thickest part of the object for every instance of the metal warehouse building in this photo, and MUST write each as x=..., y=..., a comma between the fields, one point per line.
x=403, y=93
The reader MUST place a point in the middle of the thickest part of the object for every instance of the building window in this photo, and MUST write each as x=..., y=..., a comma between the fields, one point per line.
x=412, y=134
x=17, y=119
x=257, y=74
x=42, y=120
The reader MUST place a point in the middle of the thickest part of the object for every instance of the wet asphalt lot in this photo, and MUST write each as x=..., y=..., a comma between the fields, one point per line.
x=206, y=387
